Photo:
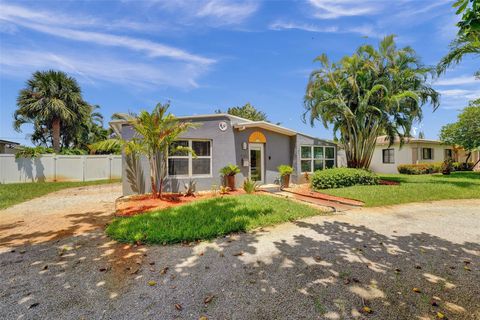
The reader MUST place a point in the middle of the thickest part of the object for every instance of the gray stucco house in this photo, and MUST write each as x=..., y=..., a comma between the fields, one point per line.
x=257, y=147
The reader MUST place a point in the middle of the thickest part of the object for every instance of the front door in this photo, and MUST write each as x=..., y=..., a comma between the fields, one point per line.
x=256, y=162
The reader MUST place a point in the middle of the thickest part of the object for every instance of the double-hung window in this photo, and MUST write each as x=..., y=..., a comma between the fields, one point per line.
x=388, y=156
x=184, y=164
x=313, y=158
x=427, y=153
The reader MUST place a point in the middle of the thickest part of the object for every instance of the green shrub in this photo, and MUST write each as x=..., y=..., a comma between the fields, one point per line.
x=284, y=170
x=420, y=168
x=342, y=177
x=461, y=166
x=249, y=186
x=230, y=170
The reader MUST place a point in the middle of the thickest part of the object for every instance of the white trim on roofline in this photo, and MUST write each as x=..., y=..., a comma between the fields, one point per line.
x=265, y=125
x=246, y=123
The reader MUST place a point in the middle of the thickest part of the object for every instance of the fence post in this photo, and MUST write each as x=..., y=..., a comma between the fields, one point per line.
x=84, y=167
x=55, y=168
x=109, y=168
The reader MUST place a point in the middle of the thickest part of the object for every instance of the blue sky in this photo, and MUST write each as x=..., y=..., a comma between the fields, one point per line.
x=206, y=55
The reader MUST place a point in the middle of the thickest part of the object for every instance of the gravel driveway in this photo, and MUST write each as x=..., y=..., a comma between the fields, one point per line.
x=324, y=267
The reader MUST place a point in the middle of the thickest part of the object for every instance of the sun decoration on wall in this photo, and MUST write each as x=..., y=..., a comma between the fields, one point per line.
x=257, y=137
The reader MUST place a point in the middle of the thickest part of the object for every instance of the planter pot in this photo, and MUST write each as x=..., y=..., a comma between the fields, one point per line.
x=231, y=182
x=285, y=181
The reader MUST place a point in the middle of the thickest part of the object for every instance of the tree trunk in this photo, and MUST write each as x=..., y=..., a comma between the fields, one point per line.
x=153, y=175
x=56, y=135
x=476, y=163
x=467, y=158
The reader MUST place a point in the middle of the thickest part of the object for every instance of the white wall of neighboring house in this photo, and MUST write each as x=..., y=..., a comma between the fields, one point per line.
x=409, y=153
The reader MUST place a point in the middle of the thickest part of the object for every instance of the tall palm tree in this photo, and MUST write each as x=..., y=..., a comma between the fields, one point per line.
x=50, y=98
x=373, y=92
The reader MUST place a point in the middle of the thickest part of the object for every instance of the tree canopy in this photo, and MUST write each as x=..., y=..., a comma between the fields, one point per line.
x=246, y=111
x=374, y=91
x=467, y=41
x=466, y=131
x=53, y=103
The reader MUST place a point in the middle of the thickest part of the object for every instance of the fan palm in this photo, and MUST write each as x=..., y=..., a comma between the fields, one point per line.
x=154, y=134
x=51, y=99
x=373, y=92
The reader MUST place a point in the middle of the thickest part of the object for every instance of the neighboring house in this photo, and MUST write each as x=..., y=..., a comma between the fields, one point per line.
x=256, y=147
x=8, y=147
x=386, y=158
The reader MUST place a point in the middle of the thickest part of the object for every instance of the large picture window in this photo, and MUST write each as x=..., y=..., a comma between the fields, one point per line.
x=183, y=164
x=313, y=158
x=427, y=153
x=388, y=156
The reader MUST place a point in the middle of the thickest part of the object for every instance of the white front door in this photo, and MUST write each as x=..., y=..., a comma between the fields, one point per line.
x=256, y=172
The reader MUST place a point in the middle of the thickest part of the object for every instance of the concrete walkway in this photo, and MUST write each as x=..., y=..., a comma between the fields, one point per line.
x=324, y=267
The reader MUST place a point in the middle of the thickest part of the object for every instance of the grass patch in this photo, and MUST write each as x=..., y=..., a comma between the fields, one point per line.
x=414, y=188
x=14, y=193
x=206, y=219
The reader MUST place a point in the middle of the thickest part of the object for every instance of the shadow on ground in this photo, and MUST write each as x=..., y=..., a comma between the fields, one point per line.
x=324, y=270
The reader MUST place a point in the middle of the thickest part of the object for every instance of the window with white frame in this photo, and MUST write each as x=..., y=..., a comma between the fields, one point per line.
x=427, y=153
x=388, y=156
x=313, y=158
x=184, y=164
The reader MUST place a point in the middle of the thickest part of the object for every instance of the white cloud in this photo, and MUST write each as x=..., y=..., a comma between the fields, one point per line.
x=21, y=63
x=227, y=11
x=331, y=9
x=460, y=93
x=14, y=13
x=211, y=12
x=461, y=80
x=25, y=19
x=364, y=30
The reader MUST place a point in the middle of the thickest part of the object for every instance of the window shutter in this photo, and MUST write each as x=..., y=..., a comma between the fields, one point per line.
x=433, y=155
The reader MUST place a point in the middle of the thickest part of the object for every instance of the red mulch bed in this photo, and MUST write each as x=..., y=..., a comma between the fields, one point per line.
x=388, y=183
x=304, y=190
x=145, y=203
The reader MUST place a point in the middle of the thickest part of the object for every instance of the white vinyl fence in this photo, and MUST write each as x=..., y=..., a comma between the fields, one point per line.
x=59, y=168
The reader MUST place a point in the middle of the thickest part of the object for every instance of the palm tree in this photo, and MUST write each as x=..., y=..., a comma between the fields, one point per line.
x=373, y=92
x=154, y=134
x=52, y=99
x=467, y=41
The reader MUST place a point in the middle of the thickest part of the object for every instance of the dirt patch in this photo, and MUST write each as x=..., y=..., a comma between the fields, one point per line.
x=134, y=205
x=57, y=215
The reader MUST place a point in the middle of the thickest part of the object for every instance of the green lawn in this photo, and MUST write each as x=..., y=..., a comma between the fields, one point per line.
x=206, y=219
x=414, y=188
x=14, y=193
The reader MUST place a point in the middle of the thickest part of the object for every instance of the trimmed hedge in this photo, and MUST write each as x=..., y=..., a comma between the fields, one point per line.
x=342, y=177
x=420, y=168
x=433, y=167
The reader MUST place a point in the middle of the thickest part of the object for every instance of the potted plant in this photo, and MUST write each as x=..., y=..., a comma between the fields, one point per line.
x=447, y=167
x=285, y=172
x=229, y=172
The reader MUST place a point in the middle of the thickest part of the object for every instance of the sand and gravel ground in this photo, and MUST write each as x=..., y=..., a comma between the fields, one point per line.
x=62, y=266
